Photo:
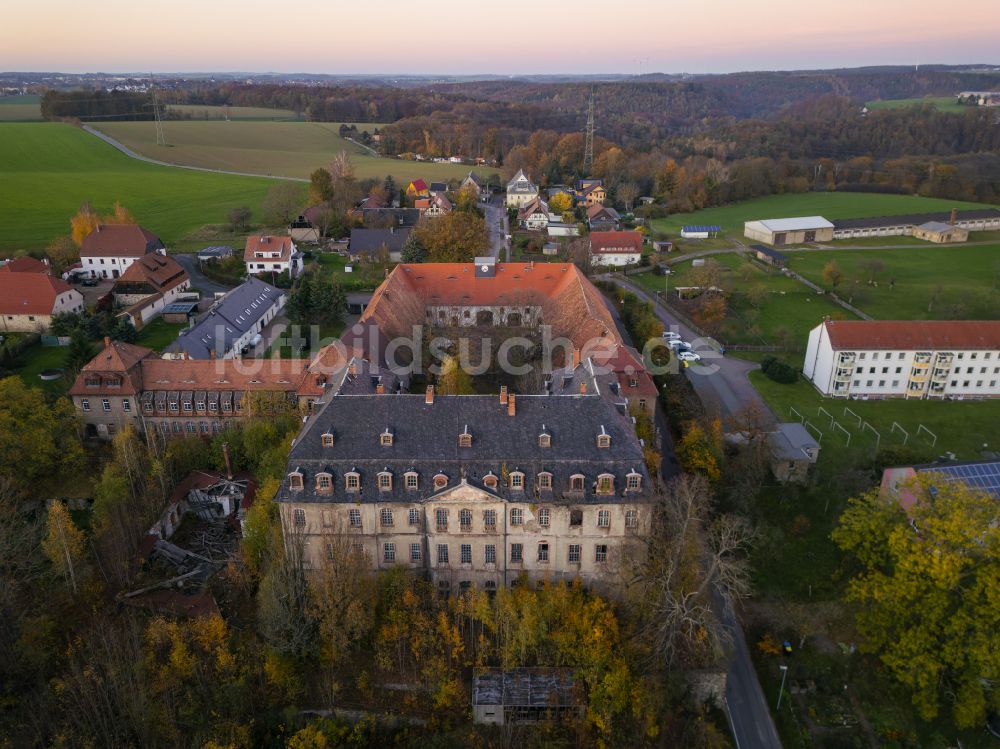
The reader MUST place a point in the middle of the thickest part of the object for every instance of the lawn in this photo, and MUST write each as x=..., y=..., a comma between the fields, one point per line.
x=361, y=278
x=942, y=103
x=38, y=357
x=931, y=282
x=962, y=427
x=788, y=312
x=159, y=334
x=48, y=169
x=24, y=107
x=288, y=149
x=830, y=205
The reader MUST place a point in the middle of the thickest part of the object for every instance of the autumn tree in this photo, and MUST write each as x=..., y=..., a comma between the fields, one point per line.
x=693, y=557
x=239, y=218
x=454, y=238
x=710, y=311
x=84, y=222
x=627, y=192
x=926, y=593
x=62, y=252
x=832, y=275
x=700, y=449
x=281, y=204
x=560, y=203
x=320, y=186
x=63, y=543
x=454, y=380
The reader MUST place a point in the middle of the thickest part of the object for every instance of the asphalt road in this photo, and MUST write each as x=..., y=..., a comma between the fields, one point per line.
x=496, y=225
x=199, y=280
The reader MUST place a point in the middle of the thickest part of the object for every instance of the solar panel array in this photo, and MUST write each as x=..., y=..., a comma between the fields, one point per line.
x=984, y=476
x=702, y=228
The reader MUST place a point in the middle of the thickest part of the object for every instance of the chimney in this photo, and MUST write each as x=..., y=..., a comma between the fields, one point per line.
x=954, y=216
x=503, y=395
x=380, y=389
x=353, y=369
x=583, y=388
x=107, y=341
x=429, y=395
x=576, y=357
x=225, y=457
x=511, y=406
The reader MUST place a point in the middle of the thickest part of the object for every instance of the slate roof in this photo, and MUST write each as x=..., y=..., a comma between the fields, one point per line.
x=369, y=241
x=439, y=187
x=119, y=240
x=914, y=335
x=912, y=219
x=235, y=314
x=425, y=440
x=521, y=183
x=404, y=217
x=791, y=439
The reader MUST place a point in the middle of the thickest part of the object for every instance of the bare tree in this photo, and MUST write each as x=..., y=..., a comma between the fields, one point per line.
x=282, y=202
x=627, y=193
x=284, y=600
x=692, y=559
x=341, y=168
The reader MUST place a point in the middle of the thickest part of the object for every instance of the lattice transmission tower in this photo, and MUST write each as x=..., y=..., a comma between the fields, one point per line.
x=161, y=138
x=588, y=151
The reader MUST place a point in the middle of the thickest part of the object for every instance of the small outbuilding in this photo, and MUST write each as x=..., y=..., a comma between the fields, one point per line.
x=769, y=256
x=700, y=231
x=781, y=231
x=793, y=450
x=524, y=695
x=940, y=232
x=179, y=312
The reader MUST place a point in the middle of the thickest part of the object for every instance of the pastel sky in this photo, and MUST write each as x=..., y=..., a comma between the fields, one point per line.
x=474, y=36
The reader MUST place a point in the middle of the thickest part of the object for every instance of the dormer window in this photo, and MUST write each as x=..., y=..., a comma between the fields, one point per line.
x=603, y=439
x=490, y=481
x=352, y=481
x=327, y=440
x=440, y=481
x=465, y=438
x=516, y=481
x=93, y=382
x=545, y=439
x=545, y=480
x=324, y=483
x=114, y=382
x=385, y=439
x=576, y=482
x=295, y=481
x=605, y=484
x=385, y=481
x=633, y=482
x=411, y=480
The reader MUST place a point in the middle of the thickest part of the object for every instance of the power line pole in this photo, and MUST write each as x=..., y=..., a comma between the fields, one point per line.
x=588, y=152
x=161, y=138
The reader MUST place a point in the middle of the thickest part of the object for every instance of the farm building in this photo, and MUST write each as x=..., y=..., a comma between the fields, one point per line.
x=301, y=229
x=955, y=359
x=29, y=298
x=179, y=312
x=700, y=232
x=781, y=231
x=523, y=695
x=147, y=286
x=987, y=219
x=111, y=248
x=939, y=233
x=769, y=256
x=615, y=247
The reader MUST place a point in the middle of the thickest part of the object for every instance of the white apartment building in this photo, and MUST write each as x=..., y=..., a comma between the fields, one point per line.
x=865, y=359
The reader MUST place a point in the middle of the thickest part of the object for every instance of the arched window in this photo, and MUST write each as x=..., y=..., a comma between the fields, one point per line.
x=490, y=481
x=295, y=481
x=605, y=483
x=384, y=481
x=544, y=480
x=324, y=483
x=411, y=480
x=576, y=482
x=516, y=481
x=352, y=481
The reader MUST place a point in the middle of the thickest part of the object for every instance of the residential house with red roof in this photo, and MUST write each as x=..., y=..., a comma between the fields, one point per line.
x=418, y=189
x=111, y=248
x=615, y=247
x=29, y=296
x=439, y=205
x=534, y=215
x=268, y=254
x=954, y=359
x=149, y=285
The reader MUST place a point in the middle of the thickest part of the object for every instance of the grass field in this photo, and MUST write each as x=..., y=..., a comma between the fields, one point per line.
x=288, y=149
x=961, y=281
x=943, y=103
x=789, y=311
x=25, y=107
x=37, y=358
x=830, y=205
x=48, y=169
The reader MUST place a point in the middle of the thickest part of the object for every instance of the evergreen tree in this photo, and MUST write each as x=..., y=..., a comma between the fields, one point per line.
x=413, y=251
x=79, y=352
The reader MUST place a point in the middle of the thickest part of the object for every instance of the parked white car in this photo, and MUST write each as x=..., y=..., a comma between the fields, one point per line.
x=671, y=335
x=678, y=345
x=688, y=357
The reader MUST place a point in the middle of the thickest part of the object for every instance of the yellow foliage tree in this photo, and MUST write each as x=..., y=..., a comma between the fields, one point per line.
x=84, y=222
x=560, y=203
x=63, y=542
x=700, y=450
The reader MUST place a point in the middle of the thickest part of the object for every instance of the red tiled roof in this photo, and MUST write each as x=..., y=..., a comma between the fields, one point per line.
x=418, y=184
x=24, y=264
x=30, y=293
x=159, y=271
x=914, y=335
x=603, y=242
x=268, y=243
x=533, y=206
x=119, y=240
x=222, y=374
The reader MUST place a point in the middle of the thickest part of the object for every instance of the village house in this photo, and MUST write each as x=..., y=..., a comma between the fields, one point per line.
x=601, y=218
x=301, y=229
x=29, y=296
x=940, y=232
x=266, y=253
x=520, y=190
x=147, y=286
x=370, y=243
x=438, y=205
x=417, y=189
x=111, y=248
x=438, y=188
x=534, y=215
x=477, y=183
x=590, y=192
x=956, y=359
x=615, y=248
x=476, y=490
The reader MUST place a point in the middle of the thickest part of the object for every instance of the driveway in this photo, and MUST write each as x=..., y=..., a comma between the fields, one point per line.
x=720, y=381
x=199, y=280
x=496, y=226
